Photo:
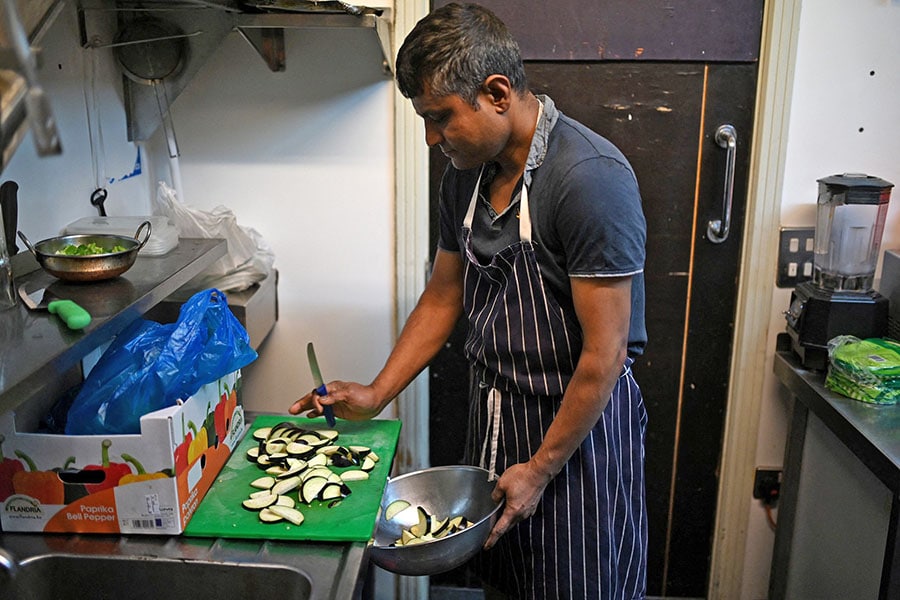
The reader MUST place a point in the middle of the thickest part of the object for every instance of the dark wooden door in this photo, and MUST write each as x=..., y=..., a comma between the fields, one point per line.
x=663, y=114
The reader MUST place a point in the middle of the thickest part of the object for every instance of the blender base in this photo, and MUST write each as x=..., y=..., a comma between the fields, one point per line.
x=817, y=315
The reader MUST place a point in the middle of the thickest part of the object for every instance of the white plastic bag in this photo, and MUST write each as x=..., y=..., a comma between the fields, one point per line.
x=249, y=259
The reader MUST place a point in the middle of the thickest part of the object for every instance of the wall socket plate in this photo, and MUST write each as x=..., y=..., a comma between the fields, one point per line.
x=795, y=256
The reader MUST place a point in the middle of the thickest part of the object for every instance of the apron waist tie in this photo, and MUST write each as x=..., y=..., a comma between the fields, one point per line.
x=492, y=434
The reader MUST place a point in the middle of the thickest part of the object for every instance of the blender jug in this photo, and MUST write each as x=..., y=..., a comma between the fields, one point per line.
x=839, y=300
x=850, y=215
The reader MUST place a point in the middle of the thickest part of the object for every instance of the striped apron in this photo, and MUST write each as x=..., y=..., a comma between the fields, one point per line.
x=588, y=537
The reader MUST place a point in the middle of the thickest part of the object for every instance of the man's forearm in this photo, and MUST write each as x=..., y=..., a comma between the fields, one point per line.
x=585, y=400
x=423, y=335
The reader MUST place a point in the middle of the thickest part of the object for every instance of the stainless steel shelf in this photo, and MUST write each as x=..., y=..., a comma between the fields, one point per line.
x=36, y=348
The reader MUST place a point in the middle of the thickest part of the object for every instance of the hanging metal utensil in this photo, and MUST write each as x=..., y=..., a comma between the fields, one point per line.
x=150, y=49
x=98, y=198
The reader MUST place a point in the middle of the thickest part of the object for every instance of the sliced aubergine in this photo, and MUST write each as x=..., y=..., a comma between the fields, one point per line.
x=285, y=501
x=309, y=493
x=317, y=460
x=295, y=466
x=354, y=475
x=263, y=483
x=260, y=502
x=267, y=516
x=284, y=486
x=341, y=461
x=296, y=462
x=428, y=527
x=394, y=508
x=331, y=491
x=289, y=514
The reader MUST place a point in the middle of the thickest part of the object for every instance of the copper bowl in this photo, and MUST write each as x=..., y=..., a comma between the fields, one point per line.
x=90, y=267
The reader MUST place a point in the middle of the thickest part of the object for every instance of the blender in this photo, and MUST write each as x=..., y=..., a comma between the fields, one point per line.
x=840, y=299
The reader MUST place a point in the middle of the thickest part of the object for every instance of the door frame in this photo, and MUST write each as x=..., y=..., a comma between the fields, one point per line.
x=411, y=215
x=756, y=286
x=781, y=21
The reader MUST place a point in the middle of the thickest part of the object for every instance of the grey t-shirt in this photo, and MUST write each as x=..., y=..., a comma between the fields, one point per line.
x=585, y=206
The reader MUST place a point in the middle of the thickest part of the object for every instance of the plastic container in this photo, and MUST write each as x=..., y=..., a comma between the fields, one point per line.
x=163, y=239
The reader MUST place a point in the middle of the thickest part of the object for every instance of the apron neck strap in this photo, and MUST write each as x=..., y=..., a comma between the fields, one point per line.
x=524, y=212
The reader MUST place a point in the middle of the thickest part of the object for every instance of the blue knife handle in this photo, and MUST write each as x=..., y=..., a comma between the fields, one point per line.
x=327, y=410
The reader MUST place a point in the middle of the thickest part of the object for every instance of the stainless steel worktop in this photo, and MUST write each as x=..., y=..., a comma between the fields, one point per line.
x=59, y=567
x=838, y=528
x=36, y=349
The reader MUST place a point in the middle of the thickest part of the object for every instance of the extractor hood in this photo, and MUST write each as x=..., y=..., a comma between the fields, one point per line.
x=194, y=29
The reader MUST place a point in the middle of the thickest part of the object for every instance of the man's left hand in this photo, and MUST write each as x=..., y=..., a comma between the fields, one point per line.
x=521, y=486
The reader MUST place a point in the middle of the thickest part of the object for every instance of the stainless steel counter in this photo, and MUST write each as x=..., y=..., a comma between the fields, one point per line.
x=838, y=530
x=60, y=567
x=36, y=349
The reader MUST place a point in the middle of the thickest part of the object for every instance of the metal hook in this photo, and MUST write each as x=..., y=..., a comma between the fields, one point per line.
x=98, y=197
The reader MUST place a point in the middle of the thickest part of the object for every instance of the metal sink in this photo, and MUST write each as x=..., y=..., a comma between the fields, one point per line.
x=70, y=577
x=64, y=567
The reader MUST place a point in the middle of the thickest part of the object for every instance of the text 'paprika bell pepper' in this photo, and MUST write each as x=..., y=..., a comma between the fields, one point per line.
x=8, y=468
x=142, y=474
x=45, y=486
x=112, y=472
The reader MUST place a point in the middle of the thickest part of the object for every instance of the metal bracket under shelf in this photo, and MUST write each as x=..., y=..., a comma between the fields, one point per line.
x=265, y=32
x=205, y=28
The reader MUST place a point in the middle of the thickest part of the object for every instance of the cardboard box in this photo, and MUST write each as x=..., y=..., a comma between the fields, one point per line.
x=146, y=483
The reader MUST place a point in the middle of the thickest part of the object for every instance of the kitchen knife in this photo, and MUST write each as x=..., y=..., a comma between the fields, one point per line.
x=9, y=208
x=320, y=384
x=72, y=314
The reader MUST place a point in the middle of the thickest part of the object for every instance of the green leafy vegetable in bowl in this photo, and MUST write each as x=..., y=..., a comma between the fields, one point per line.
x=88, y=249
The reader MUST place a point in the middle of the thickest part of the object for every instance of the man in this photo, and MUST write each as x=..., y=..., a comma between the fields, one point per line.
x=542, y=249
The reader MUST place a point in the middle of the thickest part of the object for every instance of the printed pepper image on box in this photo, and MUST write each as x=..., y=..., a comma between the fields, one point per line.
x=150, y=482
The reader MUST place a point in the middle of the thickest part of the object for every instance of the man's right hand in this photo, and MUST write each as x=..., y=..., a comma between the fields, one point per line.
x=351, y=401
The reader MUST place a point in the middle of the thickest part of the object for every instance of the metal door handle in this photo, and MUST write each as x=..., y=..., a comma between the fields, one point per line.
x=717, y=231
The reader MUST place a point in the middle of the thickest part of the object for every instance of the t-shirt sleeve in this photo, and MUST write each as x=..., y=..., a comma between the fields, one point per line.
x=600, y=222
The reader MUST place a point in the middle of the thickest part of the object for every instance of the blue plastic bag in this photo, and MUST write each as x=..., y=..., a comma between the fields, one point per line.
x=150, y=366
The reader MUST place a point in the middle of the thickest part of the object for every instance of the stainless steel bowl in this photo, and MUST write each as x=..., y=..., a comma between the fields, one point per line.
x=93, y=267
x=444, y=492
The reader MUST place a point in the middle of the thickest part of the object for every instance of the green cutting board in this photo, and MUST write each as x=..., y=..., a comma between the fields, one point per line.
x=220, y=513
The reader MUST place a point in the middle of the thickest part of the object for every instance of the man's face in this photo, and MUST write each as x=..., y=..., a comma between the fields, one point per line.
x=467, y=135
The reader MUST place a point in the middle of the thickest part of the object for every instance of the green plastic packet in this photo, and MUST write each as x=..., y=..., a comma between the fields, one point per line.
x=866, y=370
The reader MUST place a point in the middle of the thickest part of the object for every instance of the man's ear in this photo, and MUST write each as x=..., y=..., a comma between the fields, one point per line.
x=499, y=90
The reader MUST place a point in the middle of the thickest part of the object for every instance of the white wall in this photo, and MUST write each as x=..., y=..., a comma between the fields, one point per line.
x=305, y=157
x=843, y=119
